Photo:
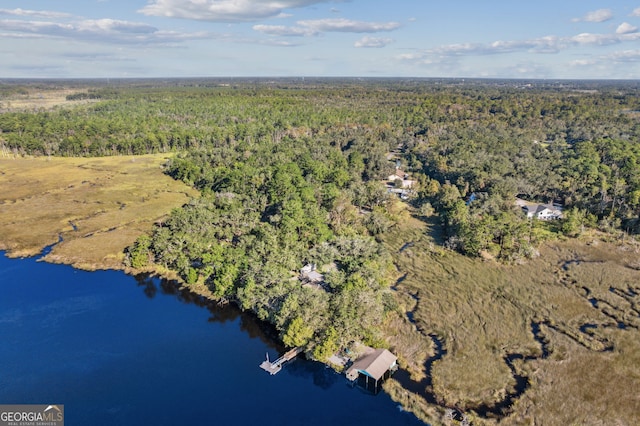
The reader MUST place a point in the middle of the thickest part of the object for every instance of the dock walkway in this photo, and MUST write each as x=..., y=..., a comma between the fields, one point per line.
x=275, y=366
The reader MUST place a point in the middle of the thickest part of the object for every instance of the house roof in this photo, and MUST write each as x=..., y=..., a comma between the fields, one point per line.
x=373, y=364
x=537, y=208
x=542, y=207
x=398, y=174
x=315, y=276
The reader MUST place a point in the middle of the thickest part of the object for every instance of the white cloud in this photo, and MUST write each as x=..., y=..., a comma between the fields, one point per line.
x=19, y=36
x=410, y=56
x=318, y=26
x=595, y=39
x=35, y=13
x=626, y=28
x=600, y=15
x=427, y=58
x=591, y=39
x=373, y=42
x=524, y=69
x=625, y=56
x=281, y=30
x=114, y=26
x=636, y=12
x=549, y=44
x=99, y=30
x=582, y=62
x=279, y=43
x=223, y=10
x=348, y=26
x=35, y=27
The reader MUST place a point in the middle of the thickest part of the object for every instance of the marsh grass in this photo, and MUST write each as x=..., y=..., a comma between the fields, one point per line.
x=98, y=206
x=484, y=310
x=40, y=97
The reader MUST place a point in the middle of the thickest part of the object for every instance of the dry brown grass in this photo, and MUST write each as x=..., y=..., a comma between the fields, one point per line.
x=586, y=387
x=483, y=310
x=36, y=98
x=110, y=200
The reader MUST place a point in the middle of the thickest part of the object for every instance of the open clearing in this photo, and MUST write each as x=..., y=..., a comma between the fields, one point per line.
x=91, y=207
x=554, y=341
x=36, y=97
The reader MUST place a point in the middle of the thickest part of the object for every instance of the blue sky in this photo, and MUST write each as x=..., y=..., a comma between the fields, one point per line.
x=371, y=38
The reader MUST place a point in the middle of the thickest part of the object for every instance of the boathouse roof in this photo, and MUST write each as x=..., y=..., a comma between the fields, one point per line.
x=373, y=364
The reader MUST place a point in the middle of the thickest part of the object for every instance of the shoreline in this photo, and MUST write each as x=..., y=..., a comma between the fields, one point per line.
x=199, y=290
x=588, y=253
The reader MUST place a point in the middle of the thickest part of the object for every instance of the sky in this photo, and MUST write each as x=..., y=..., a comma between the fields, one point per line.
x=559, y=39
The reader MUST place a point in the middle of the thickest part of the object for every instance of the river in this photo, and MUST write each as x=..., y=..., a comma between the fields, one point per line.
x=122, y=350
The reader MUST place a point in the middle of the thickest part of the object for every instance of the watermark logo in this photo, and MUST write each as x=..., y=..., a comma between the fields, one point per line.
x=32, y=415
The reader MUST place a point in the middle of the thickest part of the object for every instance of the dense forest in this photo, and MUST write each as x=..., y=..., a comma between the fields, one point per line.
x=293, y=173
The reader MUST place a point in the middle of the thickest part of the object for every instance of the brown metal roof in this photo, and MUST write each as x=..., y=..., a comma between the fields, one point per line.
x=374, y=364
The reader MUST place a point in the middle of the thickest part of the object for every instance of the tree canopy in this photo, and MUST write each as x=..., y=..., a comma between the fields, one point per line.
x=292, y=173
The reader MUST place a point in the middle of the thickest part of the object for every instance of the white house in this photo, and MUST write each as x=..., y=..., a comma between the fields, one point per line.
x=401, y=176
x=540, y=211
x=398, y=175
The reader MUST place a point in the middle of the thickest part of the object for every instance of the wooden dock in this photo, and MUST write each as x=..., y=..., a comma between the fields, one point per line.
x=275, y=366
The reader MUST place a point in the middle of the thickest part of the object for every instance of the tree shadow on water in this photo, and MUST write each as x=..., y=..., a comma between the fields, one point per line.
x=323, y=376
x=148, y=286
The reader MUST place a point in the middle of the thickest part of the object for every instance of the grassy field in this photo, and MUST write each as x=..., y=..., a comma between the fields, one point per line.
x=584, y=296
x=36, y=97
x=98, y=206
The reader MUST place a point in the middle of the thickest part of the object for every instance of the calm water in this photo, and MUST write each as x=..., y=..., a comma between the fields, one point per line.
x=116, y=350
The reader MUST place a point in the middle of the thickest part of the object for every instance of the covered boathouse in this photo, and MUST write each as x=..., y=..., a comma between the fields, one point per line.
x=372, y=369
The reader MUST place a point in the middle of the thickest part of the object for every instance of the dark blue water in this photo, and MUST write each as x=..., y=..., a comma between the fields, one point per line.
x=119, y=350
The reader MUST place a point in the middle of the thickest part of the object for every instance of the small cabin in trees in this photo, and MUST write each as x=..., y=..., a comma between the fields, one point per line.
x=372, y=369
x=310, y=277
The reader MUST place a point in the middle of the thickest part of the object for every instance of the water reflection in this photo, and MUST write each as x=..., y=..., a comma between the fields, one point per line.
x=323, y=377
x=149, y=287
x=114, y=358
x=220, y=314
